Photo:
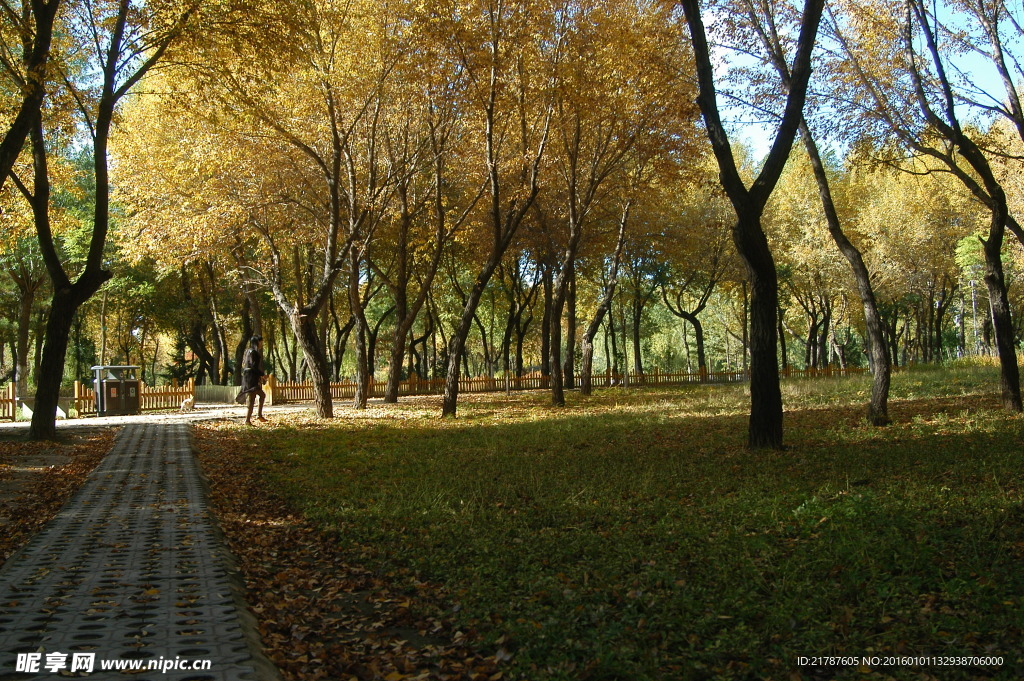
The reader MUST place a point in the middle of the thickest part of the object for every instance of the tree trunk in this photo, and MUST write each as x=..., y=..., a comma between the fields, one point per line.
x=371, y=351
x=63, y=307
x=304, y=327
x=51, y=374
x=782, y=341
x=362, y=377
x=457, y=343
x=485, y=345
x=247, y=333
x=404, y=320
x=823, y=336
x=103, y=318
x=67, y=296
x=612, y=334
x=638, y=365
x=623, y=342
x=587, y=365
x=520, y=337
x=506, y=343
x=555, y=343
x=1002, y=322
x=765, y=428
x=546, y=324
x=698, y=332
x=569, y=362
x=27, y=288
x=197, y=344
x=395, y=360
x=603, y=307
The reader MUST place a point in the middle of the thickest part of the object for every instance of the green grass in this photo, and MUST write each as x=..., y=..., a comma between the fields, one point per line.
x=632, y=536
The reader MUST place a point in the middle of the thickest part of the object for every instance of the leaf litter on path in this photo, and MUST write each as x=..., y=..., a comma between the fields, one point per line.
x=321, y=616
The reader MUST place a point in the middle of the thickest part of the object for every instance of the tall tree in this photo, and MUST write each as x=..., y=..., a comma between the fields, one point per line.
x=765, y=428
x=905, y=88
x=618, y=87
x=764, y=22
x=127, y=41
x=434, y=193
x=300, y=168
x=507, y=49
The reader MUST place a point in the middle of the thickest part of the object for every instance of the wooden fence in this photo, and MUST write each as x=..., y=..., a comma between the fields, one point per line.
x=83, y=398
x=151, y=398
x=9, y=404
x=281, y=392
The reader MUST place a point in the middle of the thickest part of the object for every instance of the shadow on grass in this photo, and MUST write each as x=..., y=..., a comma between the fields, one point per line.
x=648, y=543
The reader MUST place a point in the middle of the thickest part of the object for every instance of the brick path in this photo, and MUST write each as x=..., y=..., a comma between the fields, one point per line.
x=132, y=568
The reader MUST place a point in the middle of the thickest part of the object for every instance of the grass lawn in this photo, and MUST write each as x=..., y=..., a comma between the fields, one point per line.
x=632, y=536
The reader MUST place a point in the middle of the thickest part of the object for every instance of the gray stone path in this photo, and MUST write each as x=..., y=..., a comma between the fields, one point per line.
x=132, y=568
x=203, y=412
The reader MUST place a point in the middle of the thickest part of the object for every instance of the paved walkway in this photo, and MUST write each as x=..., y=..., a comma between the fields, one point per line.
x=131, y=571
x=203, y=412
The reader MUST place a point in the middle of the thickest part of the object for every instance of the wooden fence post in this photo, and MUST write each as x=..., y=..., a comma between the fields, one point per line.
x=271, y=387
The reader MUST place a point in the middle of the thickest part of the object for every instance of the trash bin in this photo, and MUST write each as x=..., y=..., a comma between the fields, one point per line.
x=117, y=390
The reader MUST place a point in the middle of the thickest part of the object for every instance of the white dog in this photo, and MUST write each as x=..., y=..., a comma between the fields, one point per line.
x=188, y=404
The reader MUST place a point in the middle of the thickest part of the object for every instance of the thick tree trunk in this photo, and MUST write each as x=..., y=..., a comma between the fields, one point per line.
x=587, y=366
x=395, y=361
x=698, y=332
x=765, y=428
x=64, y=305
x=486, y=347
x=559, y=294
x=341, y=334
x=303, y=325
x=255, y=314
x=51, y=374
x=823, y=335
x=207, y=362
x=1002, y=322
x=506, y=344
x=520, y=338
x=765, y=395
x=404, y=319
x=67, y=296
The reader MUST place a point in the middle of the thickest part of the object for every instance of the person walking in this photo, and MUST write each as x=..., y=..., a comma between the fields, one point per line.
x=253, y=376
